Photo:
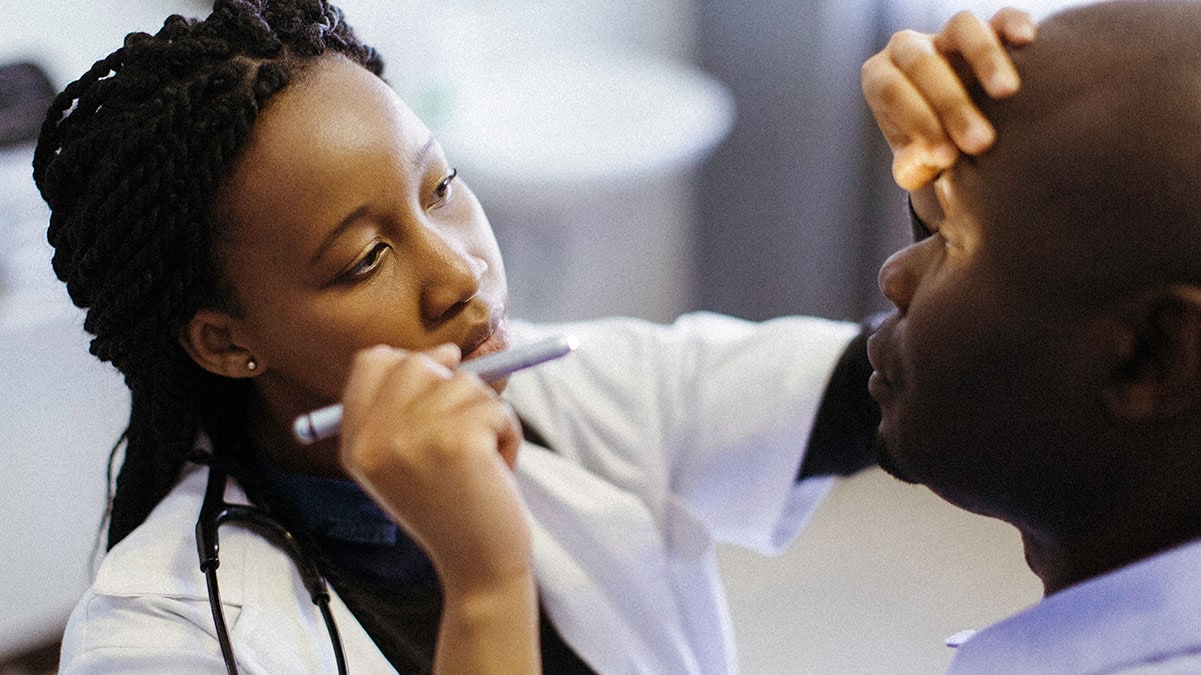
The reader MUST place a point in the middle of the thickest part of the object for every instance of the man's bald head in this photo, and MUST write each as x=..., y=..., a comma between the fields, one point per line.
x=1098, y=156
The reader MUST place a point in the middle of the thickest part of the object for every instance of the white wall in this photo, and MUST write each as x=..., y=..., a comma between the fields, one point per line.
x=877, y=581
x=1037, y=8
x=425, y=42
x=63, y=411
x=66, y=37
x=63, y=408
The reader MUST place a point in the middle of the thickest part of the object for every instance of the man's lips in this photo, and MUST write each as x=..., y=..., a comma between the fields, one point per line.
x=878, y=387
x=878, y=384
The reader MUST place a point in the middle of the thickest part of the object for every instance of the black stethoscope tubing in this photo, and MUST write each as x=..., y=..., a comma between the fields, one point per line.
x=214, y=512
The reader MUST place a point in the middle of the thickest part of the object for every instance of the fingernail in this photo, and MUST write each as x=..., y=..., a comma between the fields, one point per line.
x=977, y=138
x=944, y=155
x=1003, y=83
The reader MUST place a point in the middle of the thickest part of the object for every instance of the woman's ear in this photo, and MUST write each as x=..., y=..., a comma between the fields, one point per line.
x=211, y=339
x=1159, y=373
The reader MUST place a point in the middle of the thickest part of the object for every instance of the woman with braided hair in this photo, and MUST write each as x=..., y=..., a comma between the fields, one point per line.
x=258, y=226
x=132, y=161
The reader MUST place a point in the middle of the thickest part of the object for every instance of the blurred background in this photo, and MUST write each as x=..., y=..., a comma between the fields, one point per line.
x=638, y=157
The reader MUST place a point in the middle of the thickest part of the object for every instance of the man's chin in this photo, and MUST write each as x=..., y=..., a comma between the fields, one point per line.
x=888, y=461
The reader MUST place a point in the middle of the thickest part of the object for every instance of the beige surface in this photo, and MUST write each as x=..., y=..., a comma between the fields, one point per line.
x=884, y=572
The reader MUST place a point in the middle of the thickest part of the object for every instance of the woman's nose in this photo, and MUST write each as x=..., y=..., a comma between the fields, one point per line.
x=453, y=276
x=899, y=275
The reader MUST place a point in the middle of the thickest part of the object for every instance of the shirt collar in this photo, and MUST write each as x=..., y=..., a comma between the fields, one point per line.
x=1139, y=613
x=354, y=534
x=332, y=507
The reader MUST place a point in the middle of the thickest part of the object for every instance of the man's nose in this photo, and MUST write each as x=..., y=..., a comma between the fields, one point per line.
x=900, y=274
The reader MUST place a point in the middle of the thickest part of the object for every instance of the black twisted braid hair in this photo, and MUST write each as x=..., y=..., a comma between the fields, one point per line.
x=130, y=159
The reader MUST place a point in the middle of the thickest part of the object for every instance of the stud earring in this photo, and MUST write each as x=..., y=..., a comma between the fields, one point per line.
x=251, y=364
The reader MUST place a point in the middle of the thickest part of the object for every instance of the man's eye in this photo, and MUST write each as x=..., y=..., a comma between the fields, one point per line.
x=368, y=264
x=444, y=190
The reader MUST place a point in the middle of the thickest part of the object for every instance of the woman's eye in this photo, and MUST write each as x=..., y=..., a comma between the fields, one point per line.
x=365, y=266
x=444, y=189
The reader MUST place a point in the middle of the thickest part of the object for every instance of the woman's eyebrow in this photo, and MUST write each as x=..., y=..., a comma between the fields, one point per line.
x=424, y=152
x=337, y=232
x=422, y=156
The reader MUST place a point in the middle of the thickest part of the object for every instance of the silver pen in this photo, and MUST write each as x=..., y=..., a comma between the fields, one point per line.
x=326, y=422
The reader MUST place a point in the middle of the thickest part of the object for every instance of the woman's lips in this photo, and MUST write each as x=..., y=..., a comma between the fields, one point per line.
x=497, y=340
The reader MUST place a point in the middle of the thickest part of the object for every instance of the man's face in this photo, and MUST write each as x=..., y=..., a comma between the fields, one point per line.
x=976, y=374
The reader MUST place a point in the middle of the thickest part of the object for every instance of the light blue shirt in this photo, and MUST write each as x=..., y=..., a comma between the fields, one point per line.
x=1143, y=618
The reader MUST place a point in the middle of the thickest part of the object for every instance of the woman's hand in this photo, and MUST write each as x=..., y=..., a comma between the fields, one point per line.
x=915, y=91
x=435, y=448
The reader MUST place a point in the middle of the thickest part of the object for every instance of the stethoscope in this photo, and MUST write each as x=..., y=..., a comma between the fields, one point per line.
x=213, y=513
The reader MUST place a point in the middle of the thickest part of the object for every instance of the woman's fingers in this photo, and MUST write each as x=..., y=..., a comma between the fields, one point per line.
x=1014, y=26
x=918, y=90
x=977, y=46
x=509, y=435
x=448, y=354
x=930, y=70
x=910, y=124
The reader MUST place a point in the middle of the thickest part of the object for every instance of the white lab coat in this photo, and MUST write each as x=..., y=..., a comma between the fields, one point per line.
x=665, y=440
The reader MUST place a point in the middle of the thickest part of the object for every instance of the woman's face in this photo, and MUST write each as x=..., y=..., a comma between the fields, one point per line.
x=343, y=226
